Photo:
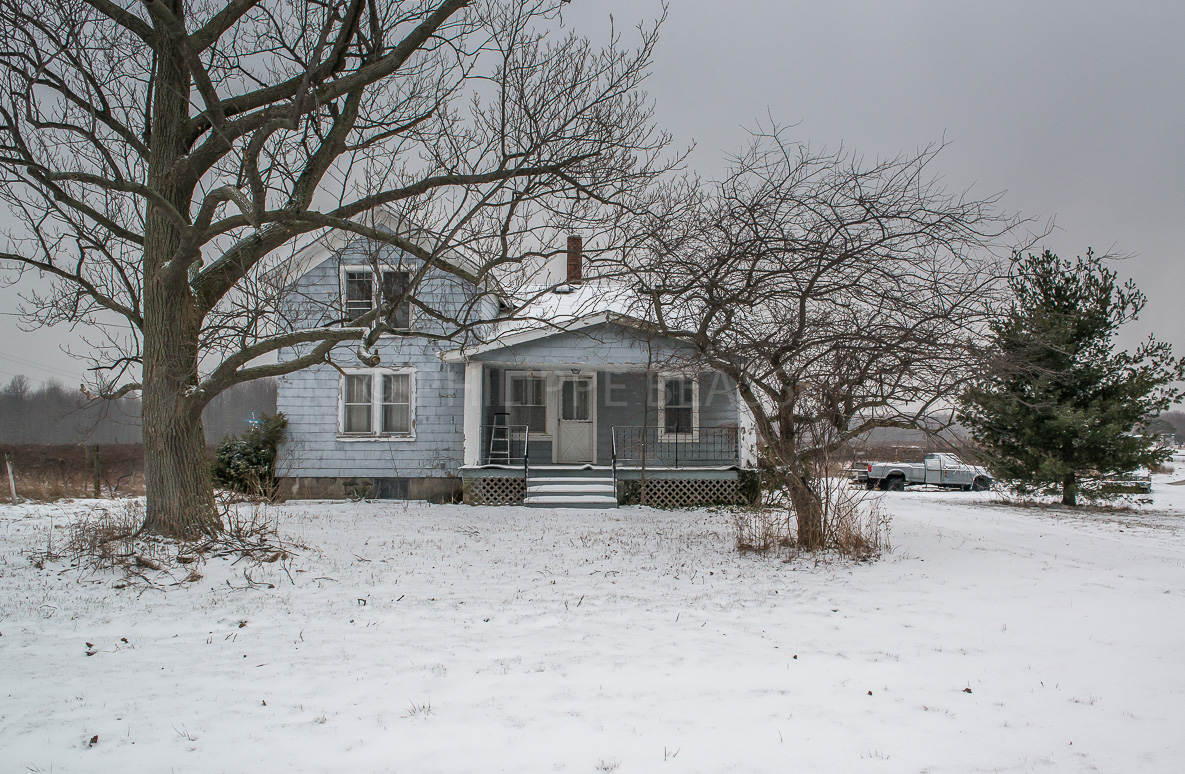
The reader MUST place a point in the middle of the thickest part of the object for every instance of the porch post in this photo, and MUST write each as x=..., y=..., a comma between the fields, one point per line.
x=472, y=414
x=747, y=433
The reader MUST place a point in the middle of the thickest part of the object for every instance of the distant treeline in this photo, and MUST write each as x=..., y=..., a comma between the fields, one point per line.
x=1177, y=420
x=55, y=414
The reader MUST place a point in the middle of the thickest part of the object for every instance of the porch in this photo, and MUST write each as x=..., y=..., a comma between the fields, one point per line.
x=537, y=434
x=571, y=413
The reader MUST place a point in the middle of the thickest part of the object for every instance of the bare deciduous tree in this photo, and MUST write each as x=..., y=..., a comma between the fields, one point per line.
x=840, y=295
x=161, y=157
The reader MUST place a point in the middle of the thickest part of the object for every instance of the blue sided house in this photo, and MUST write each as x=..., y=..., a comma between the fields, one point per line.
x=567, y=400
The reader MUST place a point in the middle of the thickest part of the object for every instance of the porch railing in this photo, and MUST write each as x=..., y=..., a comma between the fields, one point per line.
x=504, y=445
x=636, y=446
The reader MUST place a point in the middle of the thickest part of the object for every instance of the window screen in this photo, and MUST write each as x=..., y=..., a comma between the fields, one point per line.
x=359, y=294
x=678, y=405
x=575, y=400
x=528, y=402
x=397, y=404
x=358, y=404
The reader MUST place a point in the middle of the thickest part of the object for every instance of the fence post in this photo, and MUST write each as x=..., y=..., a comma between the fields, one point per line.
x=97, y=470
x=11, y=479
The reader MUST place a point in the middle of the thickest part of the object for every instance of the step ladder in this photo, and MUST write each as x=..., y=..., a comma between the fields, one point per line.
x=500, y=439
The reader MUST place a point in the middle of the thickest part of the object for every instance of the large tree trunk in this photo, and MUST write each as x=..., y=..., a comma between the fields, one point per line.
x=808, y=511
x=176, y=475
x=1069, y=490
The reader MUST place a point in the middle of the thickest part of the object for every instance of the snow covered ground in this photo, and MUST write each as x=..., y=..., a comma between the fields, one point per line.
x=453, y=639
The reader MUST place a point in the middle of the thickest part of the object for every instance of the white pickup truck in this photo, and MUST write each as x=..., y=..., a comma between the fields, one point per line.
x=945, y=470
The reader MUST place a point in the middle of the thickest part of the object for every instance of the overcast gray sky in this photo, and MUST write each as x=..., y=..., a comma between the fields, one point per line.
x=1075, y=109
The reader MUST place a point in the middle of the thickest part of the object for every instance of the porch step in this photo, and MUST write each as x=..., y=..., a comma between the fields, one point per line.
x=571, y=471
x=571, y=501
x=567, y=483
x=557, y=489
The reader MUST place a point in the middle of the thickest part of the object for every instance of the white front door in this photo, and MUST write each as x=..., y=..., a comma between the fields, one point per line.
x=576, y=433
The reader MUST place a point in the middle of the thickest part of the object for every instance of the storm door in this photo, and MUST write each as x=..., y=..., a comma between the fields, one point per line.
x=576, y=423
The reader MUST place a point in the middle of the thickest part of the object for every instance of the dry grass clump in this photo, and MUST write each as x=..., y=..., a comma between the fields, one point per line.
x=55, y=472
x=759, y=529
x=107, y=538
x=251, y=533
x=853, y=523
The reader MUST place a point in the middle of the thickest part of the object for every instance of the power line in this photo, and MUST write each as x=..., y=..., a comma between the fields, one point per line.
x=30, y=364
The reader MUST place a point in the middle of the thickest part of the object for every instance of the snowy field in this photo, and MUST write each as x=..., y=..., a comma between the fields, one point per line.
x=453, y=639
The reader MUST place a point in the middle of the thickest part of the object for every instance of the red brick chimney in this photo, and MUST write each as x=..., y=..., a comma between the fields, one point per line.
x=575, y=259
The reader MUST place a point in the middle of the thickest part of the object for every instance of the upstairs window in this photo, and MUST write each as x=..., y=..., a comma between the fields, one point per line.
x=362, y=294
x=359, y=293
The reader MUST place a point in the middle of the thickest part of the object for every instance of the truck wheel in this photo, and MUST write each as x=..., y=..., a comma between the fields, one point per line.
x=980, y=485
x=895, y=484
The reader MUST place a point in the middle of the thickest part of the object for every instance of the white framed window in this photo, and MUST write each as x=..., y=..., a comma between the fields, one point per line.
x=678, y=407
x=377, y=403
x=526, y=401
x=361, y=292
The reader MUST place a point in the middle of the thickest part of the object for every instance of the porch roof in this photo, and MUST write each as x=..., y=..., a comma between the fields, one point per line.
x=518, y=333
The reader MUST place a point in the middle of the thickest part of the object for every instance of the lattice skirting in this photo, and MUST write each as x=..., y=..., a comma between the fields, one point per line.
x=683, y=493
x=495, y=491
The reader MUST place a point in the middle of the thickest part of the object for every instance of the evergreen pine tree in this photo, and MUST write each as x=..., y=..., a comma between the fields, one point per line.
x=1058, y=402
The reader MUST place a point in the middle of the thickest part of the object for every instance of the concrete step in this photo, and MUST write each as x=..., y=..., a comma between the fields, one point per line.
x=564, y=479
x=571, y=501
x=546, y=471
x=569, y=488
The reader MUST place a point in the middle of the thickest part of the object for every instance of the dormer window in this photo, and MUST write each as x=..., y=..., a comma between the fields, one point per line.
x=361, y=294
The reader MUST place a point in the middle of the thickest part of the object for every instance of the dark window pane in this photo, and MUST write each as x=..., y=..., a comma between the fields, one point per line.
x=357, y=419
x=396, y=388
x=574, y=397
x=678, y=405
x=358, y=388
x=527, y=404
x=397, y=419
x=534, y=417
x=677, y=420
x=394, y=286
x=671, y=388
x=397, y=404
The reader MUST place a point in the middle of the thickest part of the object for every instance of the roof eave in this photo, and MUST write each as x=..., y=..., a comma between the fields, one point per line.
x=463, y=354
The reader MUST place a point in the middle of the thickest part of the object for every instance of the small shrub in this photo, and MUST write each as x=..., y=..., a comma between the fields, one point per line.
x=751, y=484
x=247, y=463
